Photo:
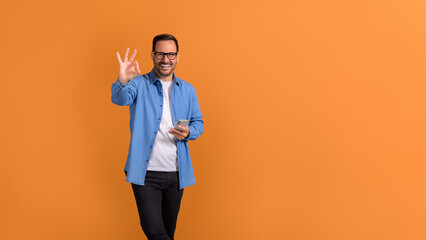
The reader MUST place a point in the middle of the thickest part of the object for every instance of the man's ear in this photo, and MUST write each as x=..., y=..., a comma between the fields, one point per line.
x=152, y=55
x=177, y=57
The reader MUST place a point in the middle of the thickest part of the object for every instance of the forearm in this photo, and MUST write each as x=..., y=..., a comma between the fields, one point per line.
x=196, y=128
x=123, y=94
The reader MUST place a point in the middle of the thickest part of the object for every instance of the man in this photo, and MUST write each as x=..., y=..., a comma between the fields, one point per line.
x=158, y=163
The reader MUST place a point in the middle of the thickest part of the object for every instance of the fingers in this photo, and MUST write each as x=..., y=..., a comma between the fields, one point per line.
x=133, y=56
x=137, y=67
x=183, y=128
x=126, y=55
x=119, y=58
x=180, y=137
x=180, y=134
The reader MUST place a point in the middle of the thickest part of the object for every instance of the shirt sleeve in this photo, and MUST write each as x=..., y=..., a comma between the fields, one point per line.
x=124, y=94
x=196, y=124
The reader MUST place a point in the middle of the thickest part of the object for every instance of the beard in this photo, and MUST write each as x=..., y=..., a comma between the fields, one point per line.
x=164, y=72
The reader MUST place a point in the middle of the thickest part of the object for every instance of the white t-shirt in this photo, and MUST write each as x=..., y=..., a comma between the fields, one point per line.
x=164, y=151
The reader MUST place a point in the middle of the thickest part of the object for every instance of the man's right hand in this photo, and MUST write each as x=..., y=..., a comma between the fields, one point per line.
x=128, y=68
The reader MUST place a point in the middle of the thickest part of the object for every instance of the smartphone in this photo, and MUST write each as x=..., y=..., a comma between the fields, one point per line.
x=181, y=122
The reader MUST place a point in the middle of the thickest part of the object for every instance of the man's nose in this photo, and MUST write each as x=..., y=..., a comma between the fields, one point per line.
x=165, y=59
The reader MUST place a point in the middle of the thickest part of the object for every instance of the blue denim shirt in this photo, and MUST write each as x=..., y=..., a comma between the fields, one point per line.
x=144, y=94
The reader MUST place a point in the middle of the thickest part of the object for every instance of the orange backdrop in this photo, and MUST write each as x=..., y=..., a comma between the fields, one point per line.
x=314, y=118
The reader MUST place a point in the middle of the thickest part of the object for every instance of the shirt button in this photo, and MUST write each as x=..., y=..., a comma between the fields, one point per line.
x=159, y=118
x=161, y=105
x=150, y=146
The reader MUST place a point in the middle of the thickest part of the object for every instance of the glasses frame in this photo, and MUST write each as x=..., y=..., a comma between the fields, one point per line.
x=165, y=54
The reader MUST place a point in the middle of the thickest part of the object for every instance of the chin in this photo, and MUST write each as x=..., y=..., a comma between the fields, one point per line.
x=166, y=74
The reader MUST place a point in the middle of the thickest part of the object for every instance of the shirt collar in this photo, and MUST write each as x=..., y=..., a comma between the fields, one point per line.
x=153, y=77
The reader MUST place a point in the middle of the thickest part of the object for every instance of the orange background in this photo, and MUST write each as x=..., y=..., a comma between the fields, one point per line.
x=314, y=118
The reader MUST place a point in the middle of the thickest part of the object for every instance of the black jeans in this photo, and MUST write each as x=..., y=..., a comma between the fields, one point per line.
x=158, y=204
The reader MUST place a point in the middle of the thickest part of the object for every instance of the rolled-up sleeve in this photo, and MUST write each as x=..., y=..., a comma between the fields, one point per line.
x=196, y=124
x=124, y=94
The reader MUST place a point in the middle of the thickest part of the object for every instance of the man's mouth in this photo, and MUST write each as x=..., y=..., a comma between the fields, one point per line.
x=165, y=66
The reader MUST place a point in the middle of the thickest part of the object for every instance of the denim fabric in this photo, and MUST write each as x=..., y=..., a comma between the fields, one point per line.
x=144, y=95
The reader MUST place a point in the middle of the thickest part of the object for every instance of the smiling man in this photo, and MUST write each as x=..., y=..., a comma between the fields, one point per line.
x=158, y=163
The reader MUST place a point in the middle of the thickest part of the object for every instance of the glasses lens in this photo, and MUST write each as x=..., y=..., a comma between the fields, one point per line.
x=171, y=56
x=159, y=55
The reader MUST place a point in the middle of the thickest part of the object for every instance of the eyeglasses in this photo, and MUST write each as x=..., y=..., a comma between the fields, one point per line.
x=170, y=55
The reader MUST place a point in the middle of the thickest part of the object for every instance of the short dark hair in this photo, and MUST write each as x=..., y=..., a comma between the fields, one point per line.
x=163, y=37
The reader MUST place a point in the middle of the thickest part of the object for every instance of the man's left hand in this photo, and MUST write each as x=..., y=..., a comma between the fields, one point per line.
x=180, y=134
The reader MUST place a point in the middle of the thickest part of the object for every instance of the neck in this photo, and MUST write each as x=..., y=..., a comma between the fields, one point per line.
x=164, y=78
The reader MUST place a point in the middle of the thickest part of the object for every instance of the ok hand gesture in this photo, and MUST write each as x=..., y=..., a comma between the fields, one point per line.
x=128, y=68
